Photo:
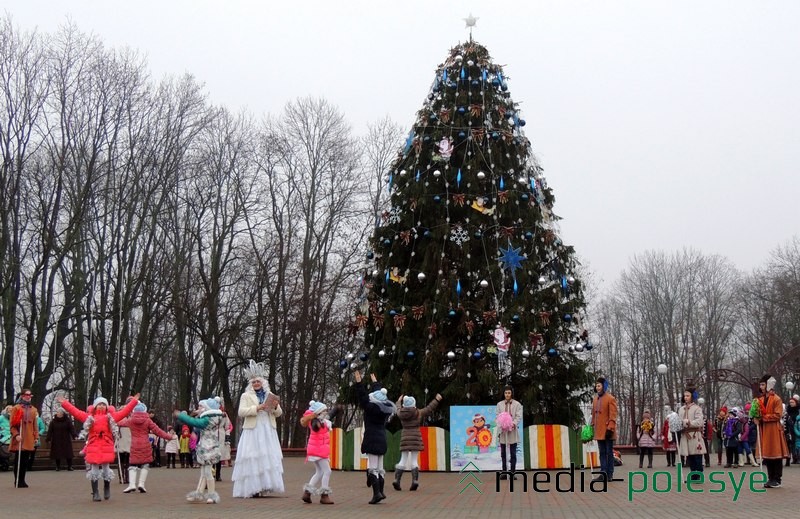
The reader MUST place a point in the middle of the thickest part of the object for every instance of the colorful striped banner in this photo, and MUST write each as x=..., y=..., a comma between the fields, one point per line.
x=346, y=450
x=359, y=460
x=591, y=455
x=549, y=446
x=337, y=448
x=434, y=457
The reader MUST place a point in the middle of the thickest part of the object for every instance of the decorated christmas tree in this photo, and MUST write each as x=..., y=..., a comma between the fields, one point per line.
x=468, y=285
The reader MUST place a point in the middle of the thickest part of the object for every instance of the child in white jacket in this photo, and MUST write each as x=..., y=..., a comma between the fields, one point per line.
x=171, y=448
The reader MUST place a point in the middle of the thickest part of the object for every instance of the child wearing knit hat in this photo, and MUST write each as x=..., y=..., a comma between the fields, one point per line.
x=377, y=409
x=141, y=426
x=101, y=424
x=411, y=438
x=210, y=424
x=318, y=451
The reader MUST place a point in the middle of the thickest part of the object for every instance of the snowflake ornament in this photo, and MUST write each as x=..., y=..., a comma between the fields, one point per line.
x=459, y=235
x=394, y=215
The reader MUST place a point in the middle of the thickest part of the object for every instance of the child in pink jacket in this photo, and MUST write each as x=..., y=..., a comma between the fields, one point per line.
x=318, y=451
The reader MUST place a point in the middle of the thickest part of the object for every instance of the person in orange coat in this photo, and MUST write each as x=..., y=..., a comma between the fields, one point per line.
x=24, y=420
x=604, y=421
x=772, y=439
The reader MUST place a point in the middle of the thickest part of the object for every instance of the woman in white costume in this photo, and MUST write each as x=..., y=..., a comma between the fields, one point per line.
x=258, y=469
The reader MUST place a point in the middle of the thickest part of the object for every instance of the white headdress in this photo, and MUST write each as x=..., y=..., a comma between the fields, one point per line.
x=256, y=370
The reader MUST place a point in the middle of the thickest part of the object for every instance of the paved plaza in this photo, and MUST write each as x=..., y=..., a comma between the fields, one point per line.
x=66, y=495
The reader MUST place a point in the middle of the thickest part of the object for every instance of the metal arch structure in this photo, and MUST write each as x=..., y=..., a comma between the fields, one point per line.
x=727, y=375
x=789, y=362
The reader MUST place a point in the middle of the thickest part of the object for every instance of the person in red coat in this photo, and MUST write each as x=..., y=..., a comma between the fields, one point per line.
x=141, y=456
x=101, y=424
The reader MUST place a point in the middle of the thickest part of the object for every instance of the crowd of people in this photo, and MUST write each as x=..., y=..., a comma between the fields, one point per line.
x=761, y=432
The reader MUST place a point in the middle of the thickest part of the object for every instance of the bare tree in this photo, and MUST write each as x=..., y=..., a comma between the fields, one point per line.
x=314, y=171
x=23, y=90
x=380, y=146
x=679, y=310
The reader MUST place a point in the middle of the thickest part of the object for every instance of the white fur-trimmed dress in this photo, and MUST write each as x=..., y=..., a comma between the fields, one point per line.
x=258, y=467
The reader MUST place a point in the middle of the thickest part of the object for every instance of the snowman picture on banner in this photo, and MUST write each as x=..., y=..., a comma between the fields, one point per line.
x=502, y=339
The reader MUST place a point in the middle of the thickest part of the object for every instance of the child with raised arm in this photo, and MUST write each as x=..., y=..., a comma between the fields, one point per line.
x=102, y=429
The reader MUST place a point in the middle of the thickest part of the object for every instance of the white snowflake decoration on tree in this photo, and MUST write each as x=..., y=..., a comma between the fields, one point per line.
x=459, y=235
x=394, y=215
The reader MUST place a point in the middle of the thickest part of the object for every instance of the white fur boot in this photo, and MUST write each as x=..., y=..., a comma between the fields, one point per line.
x=132, y=473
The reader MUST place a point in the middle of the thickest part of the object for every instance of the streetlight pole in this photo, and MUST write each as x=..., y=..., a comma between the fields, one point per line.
x=662, y=370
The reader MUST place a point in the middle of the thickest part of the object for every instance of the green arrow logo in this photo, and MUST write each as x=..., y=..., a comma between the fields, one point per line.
x=470, y=473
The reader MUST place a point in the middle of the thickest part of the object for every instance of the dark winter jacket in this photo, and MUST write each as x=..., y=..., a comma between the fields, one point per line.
x=730, y=435
x=375, y=416
x=60, y=436
x=752, y=432
x=411, y=417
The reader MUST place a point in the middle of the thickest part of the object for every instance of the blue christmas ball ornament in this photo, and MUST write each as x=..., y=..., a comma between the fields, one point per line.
x=475, y=82
x=504, y=87
x=567, y=317
x=521, y=122
x=363, y=357
x=392, y=312
x=515, y=318
x=410, y=354
x=437, y=199
x=427, y=233
x=387, y=242
x=477, y=354
x=588, y=346
x=478, y=235
x=452, y=313
x=370, y=255
x=552, y=352
x=433, y=117
x=426, y=138
x=342, y=364
x=496, y=82
x=529, y=235
x=524, y=197
x=495, y=135
x=462, y=135
x=461, y=109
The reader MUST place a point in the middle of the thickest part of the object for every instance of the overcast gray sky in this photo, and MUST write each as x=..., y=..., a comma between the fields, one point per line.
x=660, y=124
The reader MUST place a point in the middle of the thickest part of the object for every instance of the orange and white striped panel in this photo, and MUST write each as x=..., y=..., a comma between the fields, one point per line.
x=434, y=457
x=591, y=456
x=359, y=460
x=549, y=446
x=337, y=448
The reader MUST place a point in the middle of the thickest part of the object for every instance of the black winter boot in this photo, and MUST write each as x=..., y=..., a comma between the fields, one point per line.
x=381, y=481
x=106, y=490
x=372, y=481
x=398, y=473
x=414, y=479
x=95, y=491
